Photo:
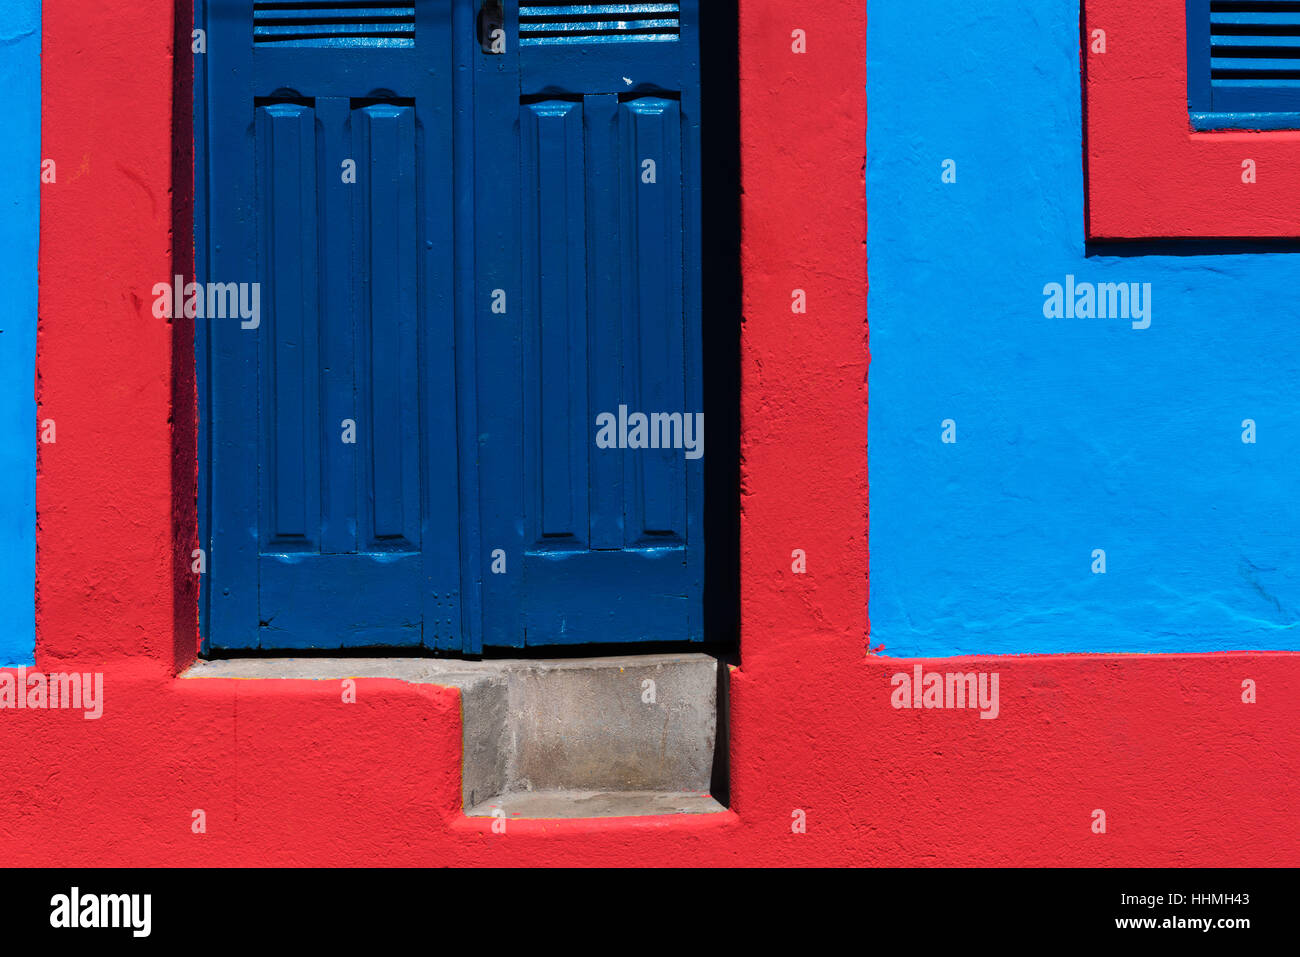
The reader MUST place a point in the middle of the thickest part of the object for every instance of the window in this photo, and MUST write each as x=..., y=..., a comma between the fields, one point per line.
x=1152, y=173
x=1243, y=64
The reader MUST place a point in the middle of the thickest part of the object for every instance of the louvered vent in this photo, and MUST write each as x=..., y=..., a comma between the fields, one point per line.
x=555, y=21
x=1254, y=42
x=310, y=23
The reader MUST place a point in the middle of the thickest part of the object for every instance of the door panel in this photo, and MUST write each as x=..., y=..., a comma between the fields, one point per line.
x=554, y=269
x=388, y=386
x=653, y=314
x=600, y=545
x=331, y=476
x=286, y=216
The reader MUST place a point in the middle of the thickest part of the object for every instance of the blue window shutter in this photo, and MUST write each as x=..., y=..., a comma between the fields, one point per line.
x=1243, y=63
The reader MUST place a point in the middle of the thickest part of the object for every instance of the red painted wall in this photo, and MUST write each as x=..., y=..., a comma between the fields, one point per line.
x=288, y=774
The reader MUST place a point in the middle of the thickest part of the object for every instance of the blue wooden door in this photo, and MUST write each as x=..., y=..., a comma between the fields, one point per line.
x=588, y=219
x=473, y=242
x=330, y=437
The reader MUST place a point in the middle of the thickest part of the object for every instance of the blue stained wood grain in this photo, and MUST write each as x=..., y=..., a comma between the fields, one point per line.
x=499, y=372
x=604, y=283
x=230, y=388
x=654, y=319
x=389, y=378
x=286, y=215
x=555, y=242
x=338, y=507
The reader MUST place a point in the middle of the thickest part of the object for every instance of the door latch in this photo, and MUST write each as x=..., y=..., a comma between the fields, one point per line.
x=492, y=27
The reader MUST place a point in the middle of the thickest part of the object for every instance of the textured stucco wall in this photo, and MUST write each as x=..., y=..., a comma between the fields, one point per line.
x=104, y=491
x=1073, y=434
x=20, y=75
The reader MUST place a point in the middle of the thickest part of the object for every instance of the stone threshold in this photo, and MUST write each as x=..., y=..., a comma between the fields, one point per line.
x=560, y=738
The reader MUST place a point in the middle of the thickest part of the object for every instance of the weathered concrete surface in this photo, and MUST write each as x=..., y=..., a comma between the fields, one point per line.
x=614, y=724
x=572, y=731
x=485, y=738
x=579, y=804
x=437, y=671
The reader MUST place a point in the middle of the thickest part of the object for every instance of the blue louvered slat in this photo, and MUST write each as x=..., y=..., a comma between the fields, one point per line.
x=1254, y=39
x=544, y=22
x=1254, y=64
x=1244, y=40
x=349, y=24
x=1239, y=16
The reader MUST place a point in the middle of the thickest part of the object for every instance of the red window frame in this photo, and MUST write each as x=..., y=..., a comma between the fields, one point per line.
x=1149, y=174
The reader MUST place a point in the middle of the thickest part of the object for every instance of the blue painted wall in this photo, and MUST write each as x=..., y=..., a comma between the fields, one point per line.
x=20, y=78
x=1072, y=434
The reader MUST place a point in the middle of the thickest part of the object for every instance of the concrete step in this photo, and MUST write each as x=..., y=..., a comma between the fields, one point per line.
x=625, y=735
x=627, y=724
x=579, y=804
